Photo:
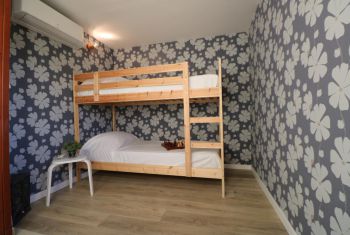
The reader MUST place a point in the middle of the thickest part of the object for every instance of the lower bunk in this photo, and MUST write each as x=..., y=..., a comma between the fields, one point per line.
x=152, y=169
x=123, y=152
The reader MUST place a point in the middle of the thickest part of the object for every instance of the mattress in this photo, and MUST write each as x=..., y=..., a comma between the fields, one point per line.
x=195, y=82
x=152, y=153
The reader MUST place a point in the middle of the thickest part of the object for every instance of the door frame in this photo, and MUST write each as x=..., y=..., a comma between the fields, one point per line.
x=5, y=193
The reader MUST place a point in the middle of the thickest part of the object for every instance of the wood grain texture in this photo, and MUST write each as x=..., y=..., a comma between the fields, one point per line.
x=155, y=69
x=221, y=129
x=96, y=87
x=148, y=96
x=148, y=204
x=205, y=119
x=206, y=145
x=211, y=173
x=187, y=126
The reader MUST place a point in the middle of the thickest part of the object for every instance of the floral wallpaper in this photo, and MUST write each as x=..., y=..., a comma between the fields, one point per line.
x=300, y=69
x=41, y=110
x=165, y=122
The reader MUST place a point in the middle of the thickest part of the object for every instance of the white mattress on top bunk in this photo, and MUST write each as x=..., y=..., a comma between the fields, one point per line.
x=196, y=82
x=107, y=147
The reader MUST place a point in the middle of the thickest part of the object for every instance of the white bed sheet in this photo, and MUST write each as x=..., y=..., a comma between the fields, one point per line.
x=196, y=82
x=152, y=153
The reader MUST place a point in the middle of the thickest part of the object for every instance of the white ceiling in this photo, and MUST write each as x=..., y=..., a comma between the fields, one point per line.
x=140, y=22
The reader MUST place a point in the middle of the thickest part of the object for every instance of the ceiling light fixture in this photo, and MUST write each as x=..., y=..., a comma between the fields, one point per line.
x=104, y=35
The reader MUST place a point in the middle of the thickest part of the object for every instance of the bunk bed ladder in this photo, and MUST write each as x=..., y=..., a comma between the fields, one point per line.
x=221, y=130
x=205, y=144
x=187, y=125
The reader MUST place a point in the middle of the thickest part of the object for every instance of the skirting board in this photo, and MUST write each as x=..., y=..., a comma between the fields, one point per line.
x=275, y=205
x=55, y=188
x=19, y=231
x=238, y=166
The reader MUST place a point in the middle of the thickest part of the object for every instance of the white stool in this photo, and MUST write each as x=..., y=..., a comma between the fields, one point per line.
x=70, y=162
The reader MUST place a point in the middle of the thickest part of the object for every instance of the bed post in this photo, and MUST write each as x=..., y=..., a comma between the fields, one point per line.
x=76, y=123
x=187, y=127
x=221, y=131
x=113, y=118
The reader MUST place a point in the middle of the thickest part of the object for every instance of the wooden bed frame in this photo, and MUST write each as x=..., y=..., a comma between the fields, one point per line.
x=185, y=96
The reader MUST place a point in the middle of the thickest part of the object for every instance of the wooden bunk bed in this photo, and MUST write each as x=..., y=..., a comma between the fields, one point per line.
x=184, y=96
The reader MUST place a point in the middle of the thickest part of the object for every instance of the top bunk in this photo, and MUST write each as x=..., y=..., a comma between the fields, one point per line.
x=114, y=87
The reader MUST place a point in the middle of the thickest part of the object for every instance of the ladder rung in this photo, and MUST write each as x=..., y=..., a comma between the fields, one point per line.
x=204, y=119
x=205, y=145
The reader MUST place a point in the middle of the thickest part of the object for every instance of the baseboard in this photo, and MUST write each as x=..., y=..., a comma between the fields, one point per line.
x=275, y=205
x=55, y=188
x=238, y=166
x=19, y=231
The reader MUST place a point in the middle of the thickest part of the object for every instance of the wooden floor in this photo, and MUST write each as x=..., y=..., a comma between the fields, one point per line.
x=149, y=204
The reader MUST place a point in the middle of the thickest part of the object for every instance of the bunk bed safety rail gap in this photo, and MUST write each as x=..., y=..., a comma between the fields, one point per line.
x=165, y=81
x=156, y=69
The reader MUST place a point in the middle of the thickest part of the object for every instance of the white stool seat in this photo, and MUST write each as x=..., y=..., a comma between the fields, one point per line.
x=67, y=160
x=70, y=162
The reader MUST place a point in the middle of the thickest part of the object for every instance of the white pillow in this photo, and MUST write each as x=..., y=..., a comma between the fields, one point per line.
x=105, y=80
x=104, y=144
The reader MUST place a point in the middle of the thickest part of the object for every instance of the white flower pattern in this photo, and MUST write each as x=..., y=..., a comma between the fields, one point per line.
x=41, y=96
x=310, y=104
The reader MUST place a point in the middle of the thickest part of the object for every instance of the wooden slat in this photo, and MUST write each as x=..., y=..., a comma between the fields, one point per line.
x=139, y=168
x=210, y=173
x=205, y=145
x=85, y=100
x=221, y=130
x=207, y=173
x=76, y=124
x=96, y=87
x=166, y=81
x=76, y=114
x=156, y=102
x=204, y=93
x=204, y=100
x=149, y=96
x=187, y=126
x=175, y=101
x=205, y=119
x=83, y=76
x=166, y=68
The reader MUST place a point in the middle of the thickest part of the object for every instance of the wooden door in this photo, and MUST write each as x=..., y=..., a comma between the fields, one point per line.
x=5, y=200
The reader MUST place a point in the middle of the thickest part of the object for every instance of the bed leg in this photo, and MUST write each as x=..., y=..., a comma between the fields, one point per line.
x=78, y=172
x=223, y=187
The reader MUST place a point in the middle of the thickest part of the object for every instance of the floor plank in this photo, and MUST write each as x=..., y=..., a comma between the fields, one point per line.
x=133, y=204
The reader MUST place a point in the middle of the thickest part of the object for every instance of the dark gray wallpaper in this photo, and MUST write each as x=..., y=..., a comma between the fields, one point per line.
x=300, y=69
x=165, y=122
x=41, y=111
